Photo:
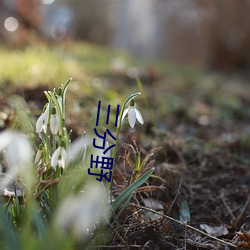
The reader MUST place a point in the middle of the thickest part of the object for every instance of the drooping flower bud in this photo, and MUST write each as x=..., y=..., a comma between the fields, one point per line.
x=133, y=114
x=54, y=121
x=42, y=121
x=59, y=157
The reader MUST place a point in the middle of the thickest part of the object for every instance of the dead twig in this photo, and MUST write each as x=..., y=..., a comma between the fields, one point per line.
x=227, y=207
x=239, y=217
x=177, y=193
x=115, y=247
x=183, y=224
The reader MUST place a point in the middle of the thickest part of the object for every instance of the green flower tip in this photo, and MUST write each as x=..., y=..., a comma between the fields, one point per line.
x=53, y=111
x=59, y=91
x=62, y=143
x=132, y=103
x=45, y=107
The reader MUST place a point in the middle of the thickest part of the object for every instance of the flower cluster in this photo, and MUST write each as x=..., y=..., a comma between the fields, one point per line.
x=52, y=151
x=51, y=115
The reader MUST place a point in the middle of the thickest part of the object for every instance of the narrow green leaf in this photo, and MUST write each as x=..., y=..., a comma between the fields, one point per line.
x=10, y=236
x=128, y=191
x=65, y=87
x=138, y=163
x=122, y=209
x=39, y=222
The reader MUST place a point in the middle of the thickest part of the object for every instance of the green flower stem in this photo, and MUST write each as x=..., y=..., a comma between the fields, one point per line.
x=65, y=87
x=109, y=185
x=54, y=142
x=47, y=137
x=66, y=137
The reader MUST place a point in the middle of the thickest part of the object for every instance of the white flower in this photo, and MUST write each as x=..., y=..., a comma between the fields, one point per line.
x=133, y=114
x=54, y=121
x=59, y=158
x=42, y=122
x=78, y=148
x=17, y=152
x=79, y=214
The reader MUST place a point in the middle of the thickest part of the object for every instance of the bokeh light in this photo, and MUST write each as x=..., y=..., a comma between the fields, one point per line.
x=48, y=2
x=11, y=24
x=58, y=31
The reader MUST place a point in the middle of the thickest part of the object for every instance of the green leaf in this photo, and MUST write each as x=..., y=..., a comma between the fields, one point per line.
x=138, y=163
x=122, y=209
x=10, y=236
x=185, y=212
x=128, y=191
x=39, y=222
x=65, y=87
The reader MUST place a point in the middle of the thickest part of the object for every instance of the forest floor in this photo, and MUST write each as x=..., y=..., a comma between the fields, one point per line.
x=196, y=135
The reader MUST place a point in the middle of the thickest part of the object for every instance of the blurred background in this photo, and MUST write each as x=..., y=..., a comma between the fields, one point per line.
x=193, y=60
x=211, y=34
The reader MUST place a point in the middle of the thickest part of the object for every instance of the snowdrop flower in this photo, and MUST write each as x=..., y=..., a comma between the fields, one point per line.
x=59, y=97
x=42, y=122
x=79, y=214
x=78, y=148
x=17, y=152
x=133, y=114
x=39, y=154
x=54, y=121
x=59, y=157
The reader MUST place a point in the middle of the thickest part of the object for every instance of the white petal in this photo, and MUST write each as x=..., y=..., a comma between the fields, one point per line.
x=19, y=151
x=66, y=216
x=55, y=156
x=54, y=124
x=64, y=154
x=139, y=116
x=39, y=123
x=19, y=158
x=61, y=163
x=42, y=121
x=79, y=214
x=63, y=159
x=59, y=99
x=132, y=117
x=125, y=112
x=78, y=147
x=5, y=139
x=44, y=127
x=38, y=156
x=46, y=113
